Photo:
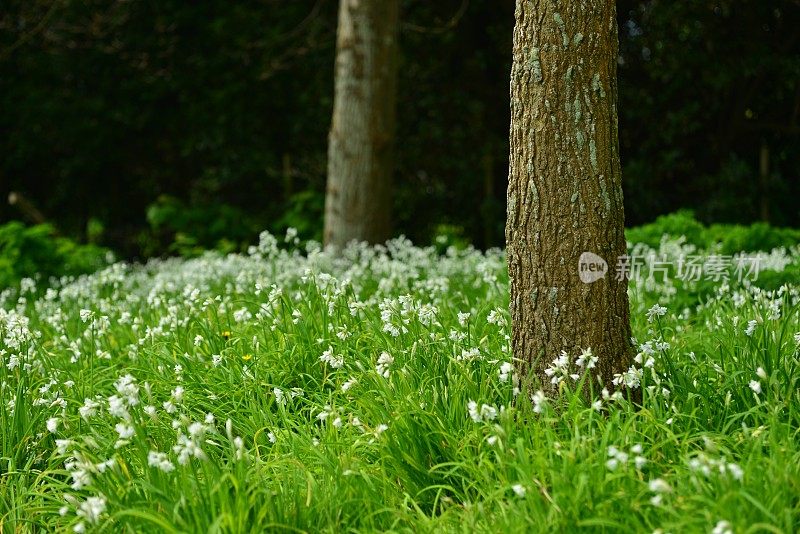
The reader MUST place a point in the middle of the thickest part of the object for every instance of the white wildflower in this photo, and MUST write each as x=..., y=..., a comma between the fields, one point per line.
x=385, y=361
x=539, y=400
x=587, y=359
x=334, y=361
x=505, y=372
x=124, y=431
x=92, y=508
x=751, y=328
x=656, y=311
x=659, y=485
x=160, y=461
x=349, y=383
x=52, y=424
x=89, y=408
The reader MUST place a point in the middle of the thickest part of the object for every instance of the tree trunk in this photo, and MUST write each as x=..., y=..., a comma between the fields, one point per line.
x=565, y=188
x=360, y=146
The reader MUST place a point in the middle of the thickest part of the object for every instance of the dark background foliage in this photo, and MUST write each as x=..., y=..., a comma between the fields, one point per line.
x=147, y=125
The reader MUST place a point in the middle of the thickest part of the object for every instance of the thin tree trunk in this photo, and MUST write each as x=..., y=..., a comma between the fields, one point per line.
x=360, y=149
x=565, y=187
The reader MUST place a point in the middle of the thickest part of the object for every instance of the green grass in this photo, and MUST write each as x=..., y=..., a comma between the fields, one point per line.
x=293, y=443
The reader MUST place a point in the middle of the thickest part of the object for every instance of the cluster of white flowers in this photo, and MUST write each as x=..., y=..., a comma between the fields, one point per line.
x=659, y=487
x=751, y=328
x=496, y=317
x=468, y=355
x=349, y=383
x=160, y=461
x=656, y=311
x=383, y=367
x=90, y=510
x=189, y=444
x=486, y=412
x=127, y=397
x=175, y=400
x=238, y=442
x=708, y=466
x=559, y=369
x=587, y=359
x=619, y=458
x=632, y=378
x=539, y=401
x=82, y=469
x=505, y=372
x=164, y=311
x=336, y=362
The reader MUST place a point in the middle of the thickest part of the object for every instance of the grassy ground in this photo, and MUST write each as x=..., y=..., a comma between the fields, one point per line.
x=290, y=391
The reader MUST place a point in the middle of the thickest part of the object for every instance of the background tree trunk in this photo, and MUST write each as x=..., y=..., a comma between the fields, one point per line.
x=360, y=149
x=565, y=187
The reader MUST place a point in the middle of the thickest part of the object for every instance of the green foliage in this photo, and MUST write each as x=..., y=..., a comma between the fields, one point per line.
x=730, y=238
x=191, y=229
x=449, y=235
x=758, y=236
x=774, y=280
x=288, y=391
x=37, y=252
x=304, y=211
x=677, y=224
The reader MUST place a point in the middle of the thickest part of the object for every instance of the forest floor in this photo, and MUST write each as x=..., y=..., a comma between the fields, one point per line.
x=285, y=389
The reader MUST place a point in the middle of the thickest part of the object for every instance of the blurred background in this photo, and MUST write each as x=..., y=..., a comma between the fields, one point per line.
x=154, y=127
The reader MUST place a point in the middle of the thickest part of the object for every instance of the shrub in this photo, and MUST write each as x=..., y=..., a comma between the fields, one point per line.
x=732, y=238
x=37, y=252
x=681, y=223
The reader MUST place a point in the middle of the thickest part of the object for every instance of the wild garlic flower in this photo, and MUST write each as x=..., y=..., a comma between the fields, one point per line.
x=160, y=461
x=655, y=311
x=383, y=367
x=486, y=412
x=558, y=369
x=505, y=372
x=92, y=509
x=587, y=359
x=751, y=328
x=539, y=401
x=336, y=362
x=52, y=424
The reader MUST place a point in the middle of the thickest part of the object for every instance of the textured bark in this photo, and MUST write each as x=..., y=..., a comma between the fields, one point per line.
x=360, y=146
x=565, y=187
